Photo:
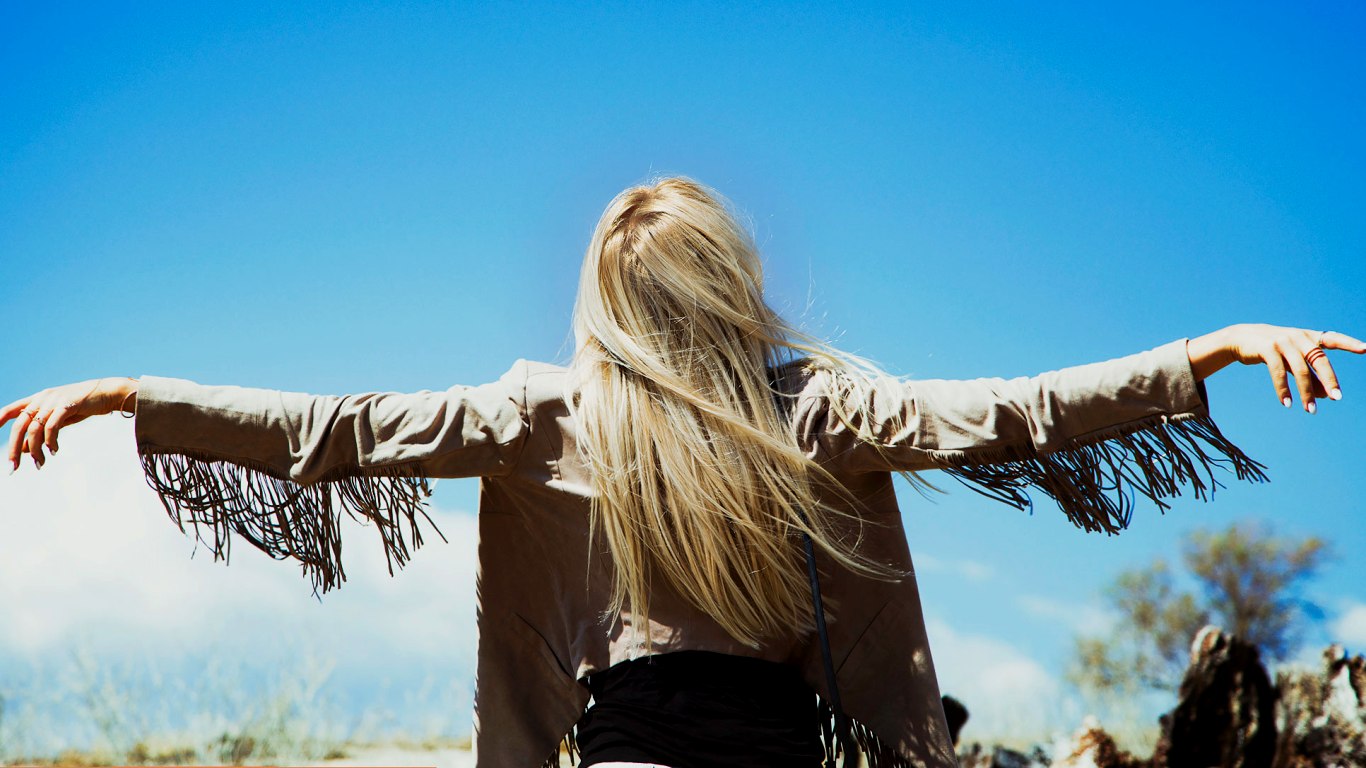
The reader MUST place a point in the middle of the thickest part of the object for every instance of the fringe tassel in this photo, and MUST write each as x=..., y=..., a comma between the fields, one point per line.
x=1093, y=478
x=829, y=743
x=876, y=753
x=568, y=745
x=866, y=748
x=285, y=519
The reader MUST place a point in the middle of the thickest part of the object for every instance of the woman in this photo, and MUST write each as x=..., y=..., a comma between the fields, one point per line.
x=643, y=511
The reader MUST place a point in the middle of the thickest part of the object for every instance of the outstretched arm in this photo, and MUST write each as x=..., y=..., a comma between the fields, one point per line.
x=278, y=468
x=1090, y=436
x=1285, y=351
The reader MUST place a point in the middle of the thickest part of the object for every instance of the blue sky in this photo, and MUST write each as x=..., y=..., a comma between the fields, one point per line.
x=349, y=197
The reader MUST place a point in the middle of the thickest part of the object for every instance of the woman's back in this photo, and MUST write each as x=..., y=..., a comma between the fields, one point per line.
x=545, y=591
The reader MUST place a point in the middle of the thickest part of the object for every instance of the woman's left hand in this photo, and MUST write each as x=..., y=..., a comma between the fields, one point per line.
x=1287, y=352
x=40, y=416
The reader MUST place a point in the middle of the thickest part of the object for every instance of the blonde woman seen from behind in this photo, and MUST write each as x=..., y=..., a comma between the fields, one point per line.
x=644, y=590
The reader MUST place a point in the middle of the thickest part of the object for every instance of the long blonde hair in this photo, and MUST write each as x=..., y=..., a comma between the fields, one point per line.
x=696, y=473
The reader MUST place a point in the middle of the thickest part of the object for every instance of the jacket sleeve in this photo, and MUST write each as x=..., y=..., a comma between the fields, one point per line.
x=1088, y=436
x=276, y=468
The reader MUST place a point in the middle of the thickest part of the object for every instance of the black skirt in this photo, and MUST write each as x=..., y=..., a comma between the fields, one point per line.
x=699, y=709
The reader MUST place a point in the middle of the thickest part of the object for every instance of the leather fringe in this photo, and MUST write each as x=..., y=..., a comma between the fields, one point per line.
x=875, y=753
x=568, y=746
x=860, y=747
x=285, y=519
x=1094, y=478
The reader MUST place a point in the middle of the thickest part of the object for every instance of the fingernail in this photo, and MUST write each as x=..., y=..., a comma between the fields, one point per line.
x=1336, y=394
x=1312, y=408
x=53, y=450
x=14, y=469
x=1285, y=401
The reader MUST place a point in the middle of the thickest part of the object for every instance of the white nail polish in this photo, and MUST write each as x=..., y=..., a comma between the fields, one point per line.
x=1336, y=394
x=1312, y=408
x=1285, y=401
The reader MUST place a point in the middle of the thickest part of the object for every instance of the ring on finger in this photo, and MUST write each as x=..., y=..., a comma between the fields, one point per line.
x=1314, y=355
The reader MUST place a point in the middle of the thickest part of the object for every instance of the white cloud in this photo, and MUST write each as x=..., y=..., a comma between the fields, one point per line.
x=1350, y=627
x=1079, y=617
x=967, y=569
x=1009, y=695
x=87, y=551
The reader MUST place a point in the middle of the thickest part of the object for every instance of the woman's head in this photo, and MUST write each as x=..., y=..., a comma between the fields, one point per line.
x=670, y=277
x=696, y=471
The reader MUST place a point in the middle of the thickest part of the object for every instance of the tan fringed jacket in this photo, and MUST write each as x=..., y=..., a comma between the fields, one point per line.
x=275, y=468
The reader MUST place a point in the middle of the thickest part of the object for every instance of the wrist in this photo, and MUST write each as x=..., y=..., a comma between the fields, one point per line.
x=128, y=397
x=1210, y=352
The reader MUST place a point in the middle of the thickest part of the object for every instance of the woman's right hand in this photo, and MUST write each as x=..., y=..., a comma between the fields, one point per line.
x=40, y=416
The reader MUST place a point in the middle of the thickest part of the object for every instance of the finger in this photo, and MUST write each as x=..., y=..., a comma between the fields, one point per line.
x=1328, y=340
x=13, y=409
x=37, y=430
x=1323, y=371
x=1275, y=365
x=1294, y=357
x=55, y=422
x=33, y=439
x=16, y=437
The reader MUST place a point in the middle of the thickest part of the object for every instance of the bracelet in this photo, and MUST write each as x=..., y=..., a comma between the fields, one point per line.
x=123, y=411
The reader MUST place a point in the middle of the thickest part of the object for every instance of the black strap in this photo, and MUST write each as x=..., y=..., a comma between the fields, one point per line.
x=841, y=724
